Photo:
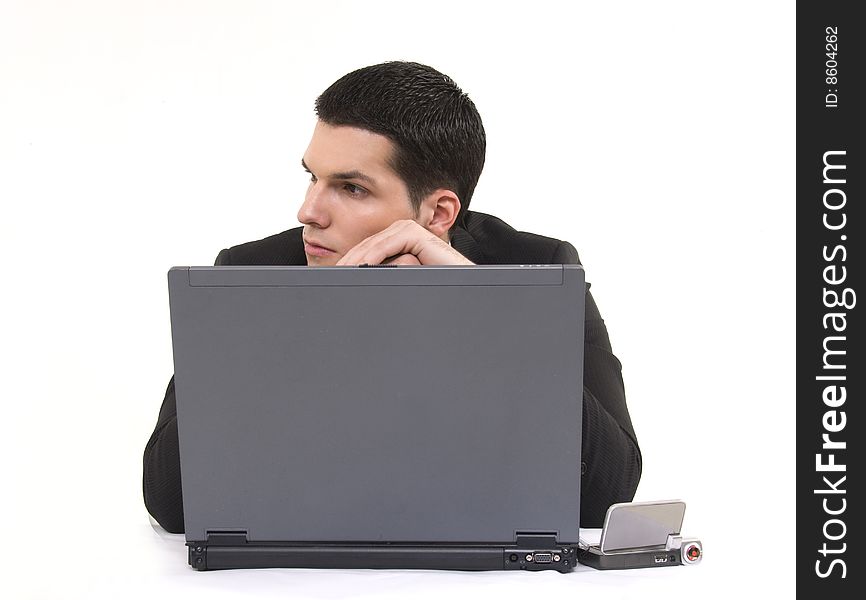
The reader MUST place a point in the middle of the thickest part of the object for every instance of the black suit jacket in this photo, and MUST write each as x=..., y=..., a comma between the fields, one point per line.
x=611, y=459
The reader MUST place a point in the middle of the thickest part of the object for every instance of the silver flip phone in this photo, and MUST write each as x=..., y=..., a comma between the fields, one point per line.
x=642, y=534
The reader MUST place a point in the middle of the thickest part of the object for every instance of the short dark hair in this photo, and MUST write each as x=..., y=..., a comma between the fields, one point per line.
x=436, y=130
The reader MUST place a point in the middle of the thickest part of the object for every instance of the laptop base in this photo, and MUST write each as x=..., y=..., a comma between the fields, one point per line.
x=205, y=556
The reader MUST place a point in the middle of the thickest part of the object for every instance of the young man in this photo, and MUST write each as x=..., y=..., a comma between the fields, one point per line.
x=393, y=162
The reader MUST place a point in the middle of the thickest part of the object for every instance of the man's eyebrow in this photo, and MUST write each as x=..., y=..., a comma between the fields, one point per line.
x=345, y=174
x=354, y=175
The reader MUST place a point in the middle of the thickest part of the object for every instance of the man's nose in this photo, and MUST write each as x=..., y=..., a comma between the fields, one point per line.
x=314, y=209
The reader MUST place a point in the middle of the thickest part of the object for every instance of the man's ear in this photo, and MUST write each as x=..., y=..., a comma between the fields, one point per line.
x=438, y=211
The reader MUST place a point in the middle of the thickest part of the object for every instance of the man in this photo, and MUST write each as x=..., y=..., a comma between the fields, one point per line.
x=394, y=159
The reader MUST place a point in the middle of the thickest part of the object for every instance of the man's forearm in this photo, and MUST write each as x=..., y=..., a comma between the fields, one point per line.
x=611, y=463
x=161, y=473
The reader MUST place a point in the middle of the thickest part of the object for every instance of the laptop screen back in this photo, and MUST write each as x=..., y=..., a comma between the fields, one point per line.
x=409, y=404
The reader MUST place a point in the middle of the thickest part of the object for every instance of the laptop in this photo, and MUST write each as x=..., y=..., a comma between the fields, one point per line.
x=412, y=417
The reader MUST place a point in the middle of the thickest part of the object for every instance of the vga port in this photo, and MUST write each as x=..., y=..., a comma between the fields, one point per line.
x=543, y=557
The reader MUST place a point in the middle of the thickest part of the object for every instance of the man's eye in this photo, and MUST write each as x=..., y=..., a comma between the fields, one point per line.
x=312, y=178
x=354, y=190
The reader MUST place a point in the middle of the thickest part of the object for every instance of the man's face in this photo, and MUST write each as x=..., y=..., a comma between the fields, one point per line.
x=353, y=192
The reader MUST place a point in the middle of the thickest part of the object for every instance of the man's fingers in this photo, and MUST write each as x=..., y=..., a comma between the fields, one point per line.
x=407, y=242
x=403, y=259
x=395, y=240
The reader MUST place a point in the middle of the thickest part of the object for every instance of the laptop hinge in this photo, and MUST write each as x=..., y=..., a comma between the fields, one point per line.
x=535, y=539
x=227, y=538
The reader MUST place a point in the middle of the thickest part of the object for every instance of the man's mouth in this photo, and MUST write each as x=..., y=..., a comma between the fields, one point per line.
x=314, y=249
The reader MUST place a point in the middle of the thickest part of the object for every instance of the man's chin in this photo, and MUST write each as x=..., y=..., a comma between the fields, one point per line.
x=322, y=261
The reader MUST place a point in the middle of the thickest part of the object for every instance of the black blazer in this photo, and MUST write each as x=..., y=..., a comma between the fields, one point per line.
x=611, y=459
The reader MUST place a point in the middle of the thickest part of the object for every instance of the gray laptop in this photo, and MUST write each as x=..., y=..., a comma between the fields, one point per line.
x=376, y=417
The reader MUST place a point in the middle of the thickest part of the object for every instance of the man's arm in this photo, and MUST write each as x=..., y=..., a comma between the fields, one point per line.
x=161, y=475
x=611, y=458
x=404, y=242
x=161, y=481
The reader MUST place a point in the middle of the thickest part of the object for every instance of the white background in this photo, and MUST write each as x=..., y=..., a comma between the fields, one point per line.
x=657, y=137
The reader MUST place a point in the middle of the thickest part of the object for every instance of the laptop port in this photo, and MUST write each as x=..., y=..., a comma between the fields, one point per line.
x=660, y=558
x=543, y=557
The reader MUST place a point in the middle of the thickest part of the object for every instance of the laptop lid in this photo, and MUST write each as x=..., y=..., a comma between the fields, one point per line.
x=404, y=404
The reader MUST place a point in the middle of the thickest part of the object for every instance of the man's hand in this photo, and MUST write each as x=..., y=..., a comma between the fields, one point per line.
x=404, y=243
